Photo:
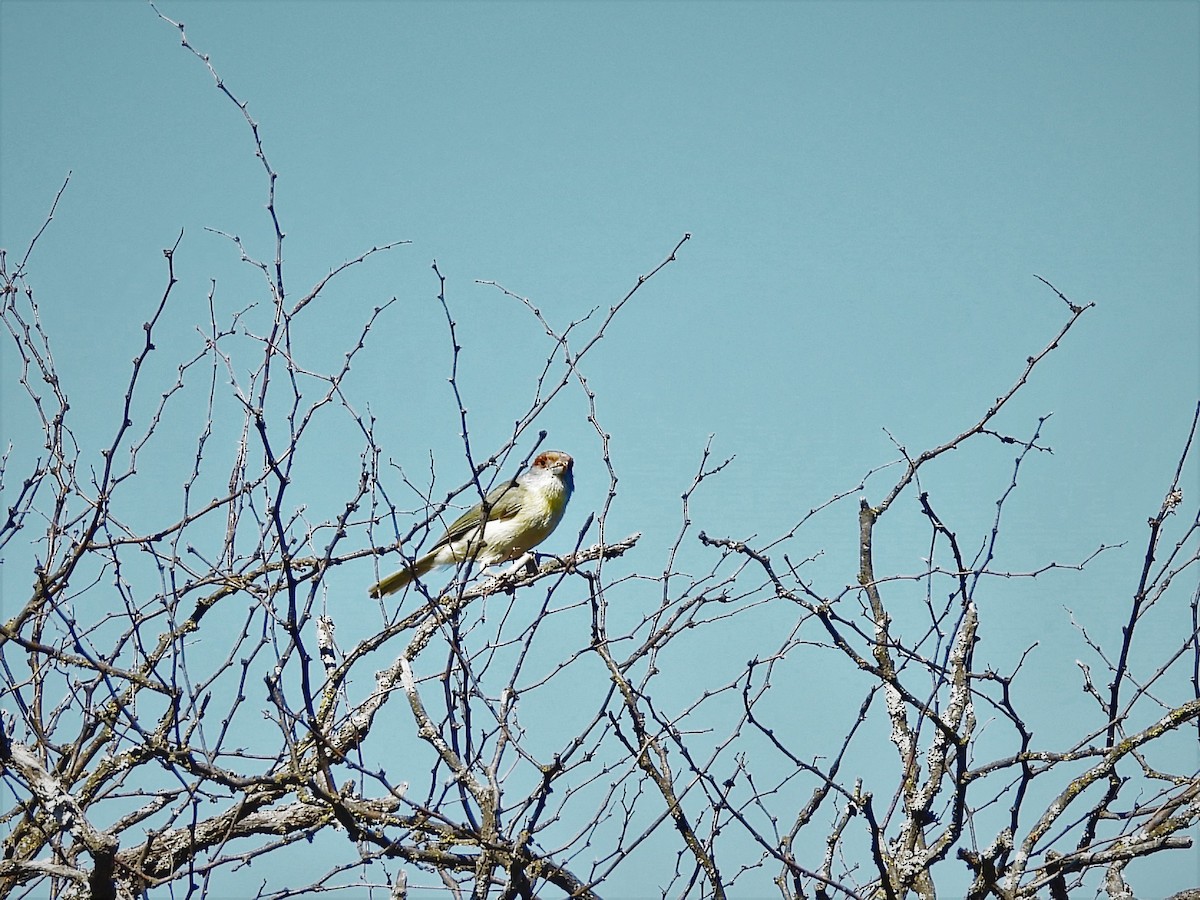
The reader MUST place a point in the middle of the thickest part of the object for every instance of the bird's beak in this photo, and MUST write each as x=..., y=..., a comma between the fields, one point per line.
x=557, y=464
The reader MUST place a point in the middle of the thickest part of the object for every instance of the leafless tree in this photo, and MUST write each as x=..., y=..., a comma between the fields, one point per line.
x=178, y=705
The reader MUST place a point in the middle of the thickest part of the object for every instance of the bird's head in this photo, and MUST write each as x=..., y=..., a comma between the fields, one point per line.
x=555, y=463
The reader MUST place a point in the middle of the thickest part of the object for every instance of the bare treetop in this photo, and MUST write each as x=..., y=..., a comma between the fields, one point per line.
x=196, y=704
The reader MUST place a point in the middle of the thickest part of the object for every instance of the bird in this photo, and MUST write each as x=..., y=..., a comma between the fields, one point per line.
x=520, y=515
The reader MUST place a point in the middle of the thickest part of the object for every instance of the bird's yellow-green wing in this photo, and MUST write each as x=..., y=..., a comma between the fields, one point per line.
x=503, y=502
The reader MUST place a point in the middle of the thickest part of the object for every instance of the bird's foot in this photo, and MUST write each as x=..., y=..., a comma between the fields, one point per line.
x=525, y=561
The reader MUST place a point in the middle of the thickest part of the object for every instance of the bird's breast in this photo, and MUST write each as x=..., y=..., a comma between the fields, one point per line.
x=539, y=514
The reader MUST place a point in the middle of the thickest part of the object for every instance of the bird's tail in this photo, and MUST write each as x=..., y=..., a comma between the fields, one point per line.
x=397, y=580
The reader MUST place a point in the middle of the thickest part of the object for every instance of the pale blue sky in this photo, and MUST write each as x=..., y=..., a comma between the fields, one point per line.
x=870, y=187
